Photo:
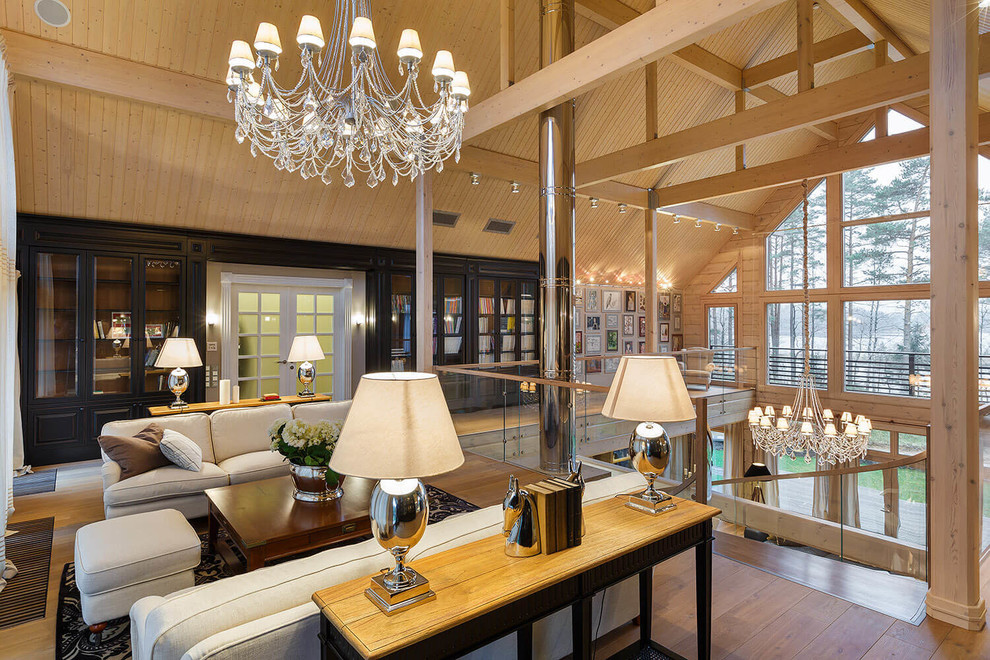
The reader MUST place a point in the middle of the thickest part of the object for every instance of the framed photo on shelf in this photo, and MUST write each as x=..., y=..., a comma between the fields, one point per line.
x=627, y=347
x=611, y=365
x=642, y=326
x=677, y=343
x=664, y=306
x=611, y=341
x=579, y=342
x=676, y=304
x=677, y=323
x=611, y=320
x=628, y=325
x=664, y=332
x=593, y=366
x=642, y=347
x=613, y=301
x=579, y=296
x=594, y=346
x=154, y=330
x=594, y=322
x=592, y=302
x=630, y=301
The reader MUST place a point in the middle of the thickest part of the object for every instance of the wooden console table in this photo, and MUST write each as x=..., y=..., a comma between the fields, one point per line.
x=211, y=406
x=483, y=595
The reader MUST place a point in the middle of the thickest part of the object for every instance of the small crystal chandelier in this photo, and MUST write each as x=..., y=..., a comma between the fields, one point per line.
x=805, y=426
x=343, y=110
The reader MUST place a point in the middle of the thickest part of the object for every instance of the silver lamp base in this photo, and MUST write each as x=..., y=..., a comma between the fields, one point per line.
x=649, y=452
x=306, y=374
x=178, y=383
x=399, y=510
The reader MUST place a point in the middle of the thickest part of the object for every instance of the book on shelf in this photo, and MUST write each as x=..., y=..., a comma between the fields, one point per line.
x=452, y=326
x=486, y=305
x=99, y=327
x=150, y=357
x=401, y=303
x=508, y=305
x=528, y=342
x=528, y=306
x=509, y=343
x=483, y=325
x=452, y=345
x=452, y=305
x=558, y=513
x=528, y=324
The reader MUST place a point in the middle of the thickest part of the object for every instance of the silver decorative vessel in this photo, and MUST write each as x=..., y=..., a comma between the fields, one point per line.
x=315, y=483
x=649, y=452
x=178, y=383
x=306, y=373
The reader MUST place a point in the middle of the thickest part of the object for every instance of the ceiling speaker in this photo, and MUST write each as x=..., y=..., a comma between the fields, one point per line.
x=52, y=12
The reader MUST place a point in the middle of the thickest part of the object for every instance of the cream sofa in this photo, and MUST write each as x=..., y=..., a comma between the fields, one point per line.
x=269, y=613
x=236, y=449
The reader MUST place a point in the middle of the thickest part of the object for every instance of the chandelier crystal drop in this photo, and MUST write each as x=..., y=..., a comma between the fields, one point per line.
x=343, y=111
x=805, y=426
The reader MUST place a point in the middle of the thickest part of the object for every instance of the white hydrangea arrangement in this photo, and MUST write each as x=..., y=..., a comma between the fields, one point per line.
x=305, y=444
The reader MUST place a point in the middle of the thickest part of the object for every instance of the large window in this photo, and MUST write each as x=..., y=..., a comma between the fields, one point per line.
x=722, y=335
x=888, y=347
x=785, y=247
x=785, y=343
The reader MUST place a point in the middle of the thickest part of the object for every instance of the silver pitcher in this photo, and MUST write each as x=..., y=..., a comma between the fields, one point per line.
x=520, y=528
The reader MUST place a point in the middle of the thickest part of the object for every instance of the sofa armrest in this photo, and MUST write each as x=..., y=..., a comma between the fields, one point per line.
x=292, y=633
x=110, y=472
x=139, y=616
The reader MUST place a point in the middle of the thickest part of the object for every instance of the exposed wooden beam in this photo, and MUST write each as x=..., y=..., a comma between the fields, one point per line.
x=861, y=17
x=805, y=46
x=652, y=129
x=650, y=217
x=709, y=66
x=659, y=32
x=740, y=148
x=767, y=93
x=424, y=272
x=841, y=45
x=507, y=43
x=879, y=60
x=610, y=14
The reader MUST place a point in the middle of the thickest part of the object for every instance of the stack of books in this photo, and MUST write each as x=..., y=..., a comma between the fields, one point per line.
x=558, y=514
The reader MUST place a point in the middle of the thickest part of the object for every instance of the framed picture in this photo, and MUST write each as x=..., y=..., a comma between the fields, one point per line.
x=154, y=330
x=592, y=303
x=611, y=341
x=677, y=323
x=593, y=366
x=642, y=326
x=613, y=301
x=593, y=322
x=579, y=342
x=677, y=343
x=677, y=303
x=611, y=365
x=627, y=347
x=611, y=320
x=641, y=297
x=628, y=325
x=664, y=306
x=642, y=347
x=664, y=348
x=664, y=332
x=579, y=368
x=630, y=301
x=594, y=345
x=579, y=296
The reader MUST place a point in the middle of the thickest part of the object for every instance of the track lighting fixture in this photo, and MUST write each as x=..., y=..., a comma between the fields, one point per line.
x=622, y=208
x=677, y=219
x=594, y=202
x=475, y=178
x=697, y=224
x=515, y=187
x=718, y=227
x=735, y=231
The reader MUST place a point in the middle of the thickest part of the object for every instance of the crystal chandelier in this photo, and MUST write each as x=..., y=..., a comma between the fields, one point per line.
x=343, y=110
x=805, y=426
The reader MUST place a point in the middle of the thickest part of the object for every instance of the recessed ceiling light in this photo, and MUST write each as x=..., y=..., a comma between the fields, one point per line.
x=52, y=12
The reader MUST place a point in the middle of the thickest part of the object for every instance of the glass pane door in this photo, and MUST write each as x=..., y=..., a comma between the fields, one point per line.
x=509, y=320
x=453, y=320
x=259, y=361
x=402, y=323
x=162, y=316
x=56, y=324
x=487, y=321
x=112, y=301
x=527, y=329
x=315, y=316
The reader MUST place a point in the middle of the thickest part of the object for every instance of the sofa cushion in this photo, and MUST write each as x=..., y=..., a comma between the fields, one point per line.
x=195, y=426
x=238, y=431
x=255, y=465
x=181, y=451
x=135, y=454
x=164, y=482
x=330, y=411
x=158, y=544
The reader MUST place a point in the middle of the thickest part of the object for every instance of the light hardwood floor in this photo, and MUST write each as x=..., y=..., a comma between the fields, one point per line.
x=756, y=615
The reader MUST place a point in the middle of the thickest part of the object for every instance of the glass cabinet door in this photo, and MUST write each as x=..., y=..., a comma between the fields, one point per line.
x=509, y=321
x=56, y=325
x=402, y=323
x=162, y=316
x=112, y=315
x=487, y=321
x=527, y=316
x=453, y=320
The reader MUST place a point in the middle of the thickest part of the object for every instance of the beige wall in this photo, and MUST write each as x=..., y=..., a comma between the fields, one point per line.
x=213, y=333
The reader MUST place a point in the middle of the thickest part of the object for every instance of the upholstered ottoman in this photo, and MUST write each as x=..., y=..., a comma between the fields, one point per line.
x=122, y=560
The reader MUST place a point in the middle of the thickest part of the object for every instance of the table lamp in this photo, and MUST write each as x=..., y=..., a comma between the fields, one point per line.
x=649, y=387
x=305, y=348
x=398, y=430
x=178, y=352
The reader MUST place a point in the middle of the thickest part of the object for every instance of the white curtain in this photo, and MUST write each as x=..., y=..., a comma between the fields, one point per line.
x=10, y=431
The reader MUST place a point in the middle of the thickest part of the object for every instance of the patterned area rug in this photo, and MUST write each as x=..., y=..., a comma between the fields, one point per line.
x=33, y=483
x=30, y=549
x=73, y=634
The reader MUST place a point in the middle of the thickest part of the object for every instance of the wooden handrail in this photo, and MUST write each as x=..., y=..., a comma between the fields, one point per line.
x=889, y=465
x=525, y=379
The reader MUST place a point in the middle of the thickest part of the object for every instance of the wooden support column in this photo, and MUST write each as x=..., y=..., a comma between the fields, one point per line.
x=424, y=272
x=652, y=311
x=805, y=46
x=652, y=132
x=740, y=148
x=507, y=43
x=833, y=310
x=880, y=59
x=954, y=463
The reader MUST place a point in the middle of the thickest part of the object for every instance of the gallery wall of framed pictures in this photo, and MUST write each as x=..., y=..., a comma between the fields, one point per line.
x=610, y=321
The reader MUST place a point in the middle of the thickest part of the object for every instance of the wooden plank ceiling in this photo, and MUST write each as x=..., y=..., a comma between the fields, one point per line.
x=88, y=155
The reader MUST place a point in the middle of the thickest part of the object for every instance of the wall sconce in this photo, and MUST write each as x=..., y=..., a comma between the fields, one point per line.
x=357, y=318
x=212, y=318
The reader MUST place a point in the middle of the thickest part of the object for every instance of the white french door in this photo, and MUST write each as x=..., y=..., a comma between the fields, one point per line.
x=261, y=317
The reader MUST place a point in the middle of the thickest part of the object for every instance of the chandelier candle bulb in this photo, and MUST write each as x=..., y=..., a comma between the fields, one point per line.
x=362, y=34
x=267, y=42
x=233, y=80
x=241, y=58
x=310, y=34
x=410, y=50
x=443, y=66
x=787, y=411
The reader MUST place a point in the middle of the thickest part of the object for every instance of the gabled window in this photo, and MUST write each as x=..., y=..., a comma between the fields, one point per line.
x=728, y=283
x=785, y=247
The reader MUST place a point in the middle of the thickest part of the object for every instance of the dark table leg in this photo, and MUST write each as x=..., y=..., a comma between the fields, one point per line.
x=703, y=561
x=213, y=531
x=581, y=629
x=524, y=642
x=255, y=560
x=645, y=607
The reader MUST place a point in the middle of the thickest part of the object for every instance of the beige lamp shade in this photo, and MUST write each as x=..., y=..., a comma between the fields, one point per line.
x=443, y=66
x=179, y=352
x=398, y=427
x=362, y=33
x=648, y=388
x=267, y=40
x=310, y=32
x=305, y=348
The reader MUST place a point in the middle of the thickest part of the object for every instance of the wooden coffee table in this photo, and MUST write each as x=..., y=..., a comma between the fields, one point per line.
x=265, y=522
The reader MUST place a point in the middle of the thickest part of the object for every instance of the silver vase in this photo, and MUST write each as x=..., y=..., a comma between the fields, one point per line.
x=315, y=483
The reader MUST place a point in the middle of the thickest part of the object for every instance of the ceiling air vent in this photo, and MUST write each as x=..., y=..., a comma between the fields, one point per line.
x=497, y=226
x=445, y=218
